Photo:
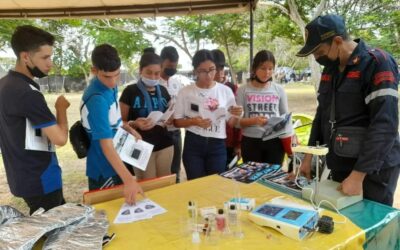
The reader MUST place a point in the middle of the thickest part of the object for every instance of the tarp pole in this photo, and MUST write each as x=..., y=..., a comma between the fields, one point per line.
x=251, y=33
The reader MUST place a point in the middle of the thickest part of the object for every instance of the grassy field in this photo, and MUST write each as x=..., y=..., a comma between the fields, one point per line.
x=302, y=99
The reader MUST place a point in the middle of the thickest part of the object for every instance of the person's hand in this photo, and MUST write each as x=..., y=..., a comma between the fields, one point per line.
x=131, y=189
x=144, y=123
x=291, y=176
x=305, y=167
x=62, y=103
x=259, y=120
x=170, y=121
x=353, y=184
x=130, y=128
x=202, y=123
x=236, y=111
x=238, y=151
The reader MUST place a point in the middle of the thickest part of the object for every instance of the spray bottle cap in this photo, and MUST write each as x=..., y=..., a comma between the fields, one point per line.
x=220, y=211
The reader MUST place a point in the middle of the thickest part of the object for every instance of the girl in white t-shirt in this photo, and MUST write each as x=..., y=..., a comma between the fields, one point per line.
x=202, y=109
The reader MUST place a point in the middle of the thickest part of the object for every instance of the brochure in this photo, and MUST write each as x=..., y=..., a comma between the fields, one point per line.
x=135, y=152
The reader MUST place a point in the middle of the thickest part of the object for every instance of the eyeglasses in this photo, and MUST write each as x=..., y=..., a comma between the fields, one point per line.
x=205, y=72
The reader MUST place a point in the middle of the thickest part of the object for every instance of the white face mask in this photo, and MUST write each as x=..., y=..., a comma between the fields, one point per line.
x=150, y=82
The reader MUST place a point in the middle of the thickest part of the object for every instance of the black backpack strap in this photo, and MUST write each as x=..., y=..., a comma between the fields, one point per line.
x=84, y=102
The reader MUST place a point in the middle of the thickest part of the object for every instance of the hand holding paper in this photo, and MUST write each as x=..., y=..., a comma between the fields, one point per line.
x=158, y=117
x=136, y=153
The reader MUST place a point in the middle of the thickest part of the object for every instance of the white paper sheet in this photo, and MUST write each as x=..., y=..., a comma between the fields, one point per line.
x=160, y=117
x=215, y=116
x=36, y=140
x=143, y=210
x=136, y=153
x=278, y=126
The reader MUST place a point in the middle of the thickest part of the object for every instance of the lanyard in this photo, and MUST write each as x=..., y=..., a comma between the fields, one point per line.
x=147, y=98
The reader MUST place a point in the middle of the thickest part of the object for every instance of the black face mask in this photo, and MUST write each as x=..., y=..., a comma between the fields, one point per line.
x=36, y=72
x=326, y=62
x=259, y=81
x=170, y=71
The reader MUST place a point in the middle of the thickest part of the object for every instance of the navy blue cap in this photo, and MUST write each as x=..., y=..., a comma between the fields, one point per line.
x=319, y=30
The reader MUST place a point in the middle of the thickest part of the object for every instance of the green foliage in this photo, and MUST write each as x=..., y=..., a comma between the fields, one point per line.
x=375, y=21
x=75, y=38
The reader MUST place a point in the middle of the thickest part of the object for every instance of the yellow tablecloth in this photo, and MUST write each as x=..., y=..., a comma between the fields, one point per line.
x=167, y=231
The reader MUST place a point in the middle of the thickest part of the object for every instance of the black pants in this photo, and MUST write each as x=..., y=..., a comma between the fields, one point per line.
x=177, y=158
x=379, y=187
x=46, y=201
x=255, y=149
x=103, y=183
x=230, y=154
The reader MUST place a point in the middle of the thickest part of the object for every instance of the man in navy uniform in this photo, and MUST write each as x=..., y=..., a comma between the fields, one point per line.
x=364, y=81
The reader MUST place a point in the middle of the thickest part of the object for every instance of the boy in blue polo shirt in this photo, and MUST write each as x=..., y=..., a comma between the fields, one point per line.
x=101, y=117
x=32, y=168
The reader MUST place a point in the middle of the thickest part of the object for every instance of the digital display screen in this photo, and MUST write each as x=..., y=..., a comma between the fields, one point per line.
x=269, y=210
x=292, y=215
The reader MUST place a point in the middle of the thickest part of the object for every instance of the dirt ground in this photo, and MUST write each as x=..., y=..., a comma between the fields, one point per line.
x=301, y=98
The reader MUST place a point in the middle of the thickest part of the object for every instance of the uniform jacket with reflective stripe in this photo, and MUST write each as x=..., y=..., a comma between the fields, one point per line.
x=366, y=97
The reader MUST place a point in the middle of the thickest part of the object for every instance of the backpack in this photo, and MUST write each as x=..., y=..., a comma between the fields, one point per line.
x=78, y=136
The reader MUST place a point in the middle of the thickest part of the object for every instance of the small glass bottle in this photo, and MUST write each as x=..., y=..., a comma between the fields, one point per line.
x=221, y=221
x=232, y=215
x=192, y=210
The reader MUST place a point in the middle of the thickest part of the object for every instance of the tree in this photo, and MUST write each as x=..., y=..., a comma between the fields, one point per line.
x=230, y=32
x=299, y=13
x=377, y=21
x=75, y=38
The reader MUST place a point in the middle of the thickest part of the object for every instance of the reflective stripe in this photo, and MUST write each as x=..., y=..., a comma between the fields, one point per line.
x=107, y=183
x=381, y=92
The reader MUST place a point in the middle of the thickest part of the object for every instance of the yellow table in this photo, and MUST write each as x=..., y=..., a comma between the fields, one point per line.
x=167, y=231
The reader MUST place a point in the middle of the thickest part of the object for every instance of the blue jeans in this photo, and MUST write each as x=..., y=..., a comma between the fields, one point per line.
x=203, y=156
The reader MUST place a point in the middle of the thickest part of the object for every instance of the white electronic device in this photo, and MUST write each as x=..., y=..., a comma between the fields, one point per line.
x=295, y=223
x=325, y=190
x=328, y=191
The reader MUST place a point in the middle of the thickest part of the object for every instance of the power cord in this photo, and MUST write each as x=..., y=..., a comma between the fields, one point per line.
x=322, y=201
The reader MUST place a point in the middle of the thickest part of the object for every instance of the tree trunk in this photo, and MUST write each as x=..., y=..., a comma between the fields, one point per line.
x=228, y=54
x=293, y=12
x=315, y=72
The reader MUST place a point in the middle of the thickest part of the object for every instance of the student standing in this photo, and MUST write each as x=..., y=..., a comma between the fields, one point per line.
x=101, y=118
x=204, y=151
x=261, y=99
x=137, y=102
x=32, y=173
